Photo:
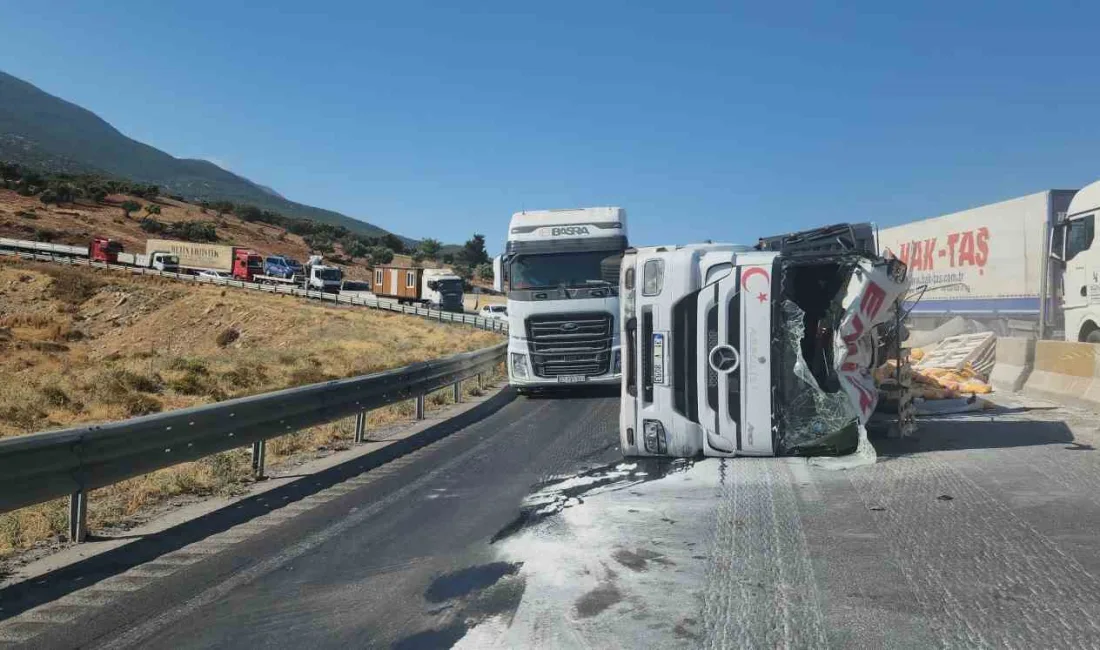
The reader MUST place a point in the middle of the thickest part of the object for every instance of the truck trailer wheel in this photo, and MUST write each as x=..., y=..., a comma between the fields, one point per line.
x=1093, y=337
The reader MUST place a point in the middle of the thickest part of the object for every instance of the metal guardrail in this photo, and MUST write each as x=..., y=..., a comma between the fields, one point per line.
x=39, y=467
x=490, y=324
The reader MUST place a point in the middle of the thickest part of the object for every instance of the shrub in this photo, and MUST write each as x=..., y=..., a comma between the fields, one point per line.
x=245, y=375
x=152, y=226
x=72, y=286
x=227, y=336
x=129, y=206
x=310, y=375
x=190, y=384
x=54, y=396
x=380, y=255
x=24, y=416
x=137, y=404
x=196, y=366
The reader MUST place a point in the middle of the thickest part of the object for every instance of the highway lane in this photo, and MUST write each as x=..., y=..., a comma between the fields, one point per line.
x=355, y=569
x=526, y=529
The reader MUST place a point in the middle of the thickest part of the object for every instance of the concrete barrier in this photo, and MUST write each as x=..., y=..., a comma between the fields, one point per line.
x=1015, y=358
x=1065, y=372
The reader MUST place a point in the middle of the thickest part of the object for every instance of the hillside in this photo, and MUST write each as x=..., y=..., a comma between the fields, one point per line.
x=79, y=345
x=25, y=217
x=49, y=133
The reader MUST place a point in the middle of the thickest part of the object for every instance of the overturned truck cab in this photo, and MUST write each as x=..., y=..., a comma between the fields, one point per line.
x=755, y=351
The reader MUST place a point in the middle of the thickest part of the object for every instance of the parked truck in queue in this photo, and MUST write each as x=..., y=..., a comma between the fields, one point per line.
x=241, y=263
x=560, y=270
x=755, y=351
x=435, y=288
x=1025, y=267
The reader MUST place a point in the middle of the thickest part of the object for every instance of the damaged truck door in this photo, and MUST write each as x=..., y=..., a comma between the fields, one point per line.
x=762, y=351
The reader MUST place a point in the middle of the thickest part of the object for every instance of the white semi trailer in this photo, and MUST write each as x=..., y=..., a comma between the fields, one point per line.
x=1022, y=267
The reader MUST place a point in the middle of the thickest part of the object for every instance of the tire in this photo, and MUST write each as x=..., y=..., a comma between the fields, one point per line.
x=1093, y=337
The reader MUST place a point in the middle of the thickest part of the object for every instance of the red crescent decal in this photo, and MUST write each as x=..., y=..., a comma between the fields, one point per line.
x=754, y=271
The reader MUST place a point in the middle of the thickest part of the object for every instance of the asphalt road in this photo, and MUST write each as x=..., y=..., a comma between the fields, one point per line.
x=525, y=529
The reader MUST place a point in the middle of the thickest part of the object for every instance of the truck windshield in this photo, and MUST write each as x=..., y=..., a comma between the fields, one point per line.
x=454, y=285
x=331, y=274
x=559, y=269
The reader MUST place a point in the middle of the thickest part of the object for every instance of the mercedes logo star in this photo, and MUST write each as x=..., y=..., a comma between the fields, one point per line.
x=568, y=327
x=724, y=359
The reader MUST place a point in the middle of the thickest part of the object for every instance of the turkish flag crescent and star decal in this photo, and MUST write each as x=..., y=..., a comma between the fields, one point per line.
x=766, y=284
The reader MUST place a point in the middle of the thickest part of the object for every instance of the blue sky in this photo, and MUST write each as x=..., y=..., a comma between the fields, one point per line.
x=720, y=121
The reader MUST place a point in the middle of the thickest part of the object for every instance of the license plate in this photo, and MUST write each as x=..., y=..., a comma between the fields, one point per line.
x=571, y=379
x=658, y=358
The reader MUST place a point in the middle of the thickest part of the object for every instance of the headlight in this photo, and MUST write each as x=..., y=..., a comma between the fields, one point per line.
x=519, y=365
x=653, y=434
x=653, y=276
x=617, y=363
x=628, y=293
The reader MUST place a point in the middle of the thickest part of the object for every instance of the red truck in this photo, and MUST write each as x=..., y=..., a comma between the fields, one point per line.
x=104, y=250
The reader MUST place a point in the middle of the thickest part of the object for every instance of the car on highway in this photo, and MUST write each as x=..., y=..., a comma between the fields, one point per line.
x=494, y=312
x=215, y=275
x=280, y=266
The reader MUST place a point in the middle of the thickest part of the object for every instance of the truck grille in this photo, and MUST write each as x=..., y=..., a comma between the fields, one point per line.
x=570, y=344
x=685, y=355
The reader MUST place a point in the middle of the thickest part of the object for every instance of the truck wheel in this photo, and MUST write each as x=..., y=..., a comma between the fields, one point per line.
x=1093, y=337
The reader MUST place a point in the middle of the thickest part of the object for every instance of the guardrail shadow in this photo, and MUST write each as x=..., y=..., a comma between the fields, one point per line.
x=28, y=594
x=944, y=434
x=576, y=392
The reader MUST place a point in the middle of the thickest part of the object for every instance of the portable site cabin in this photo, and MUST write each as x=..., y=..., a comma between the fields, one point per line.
x=399, y=282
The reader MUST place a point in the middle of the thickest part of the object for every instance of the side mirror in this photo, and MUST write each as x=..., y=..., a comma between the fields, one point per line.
x=1059, y=234
x=609, y=269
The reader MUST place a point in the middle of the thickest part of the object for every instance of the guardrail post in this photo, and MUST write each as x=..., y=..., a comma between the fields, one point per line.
x=78, y=516
x=480, y=382
x=458, y=391
x=259, y=454
x=360, y=426
x=420, y=407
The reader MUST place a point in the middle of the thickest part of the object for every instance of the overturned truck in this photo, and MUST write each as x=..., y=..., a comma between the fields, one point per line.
x=757, y=351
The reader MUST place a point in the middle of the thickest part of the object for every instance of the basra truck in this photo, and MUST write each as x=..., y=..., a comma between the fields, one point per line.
x=436, y=288
x=994, y=264
x=755, y=351
x=242, y=263
x=560, y=270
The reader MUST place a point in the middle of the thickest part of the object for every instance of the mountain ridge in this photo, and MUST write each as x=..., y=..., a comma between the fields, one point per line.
x=41, y=130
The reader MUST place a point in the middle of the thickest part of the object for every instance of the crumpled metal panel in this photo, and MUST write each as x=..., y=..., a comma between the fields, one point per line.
x=811, y=420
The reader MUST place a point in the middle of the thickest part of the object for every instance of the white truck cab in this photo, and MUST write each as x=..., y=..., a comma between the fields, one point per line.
x=560, y=270
x=319, y=277
x=754, y=351
x=441, y=289
x=1073, y=246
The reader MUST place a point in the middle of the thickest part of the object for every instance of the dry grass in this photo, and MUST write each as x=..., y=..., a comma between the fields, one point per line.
x=146, y=345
